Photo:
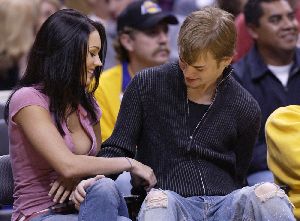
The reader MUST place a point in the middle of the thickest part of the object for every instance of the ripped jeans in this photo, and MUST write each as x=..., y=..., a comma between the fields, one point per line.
x=262, y=202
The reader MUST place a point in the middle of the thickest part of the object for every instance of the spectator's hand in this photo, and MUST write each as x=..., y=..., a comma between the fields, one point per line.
x=62, y=188
x=142, y=175
x=79, y=193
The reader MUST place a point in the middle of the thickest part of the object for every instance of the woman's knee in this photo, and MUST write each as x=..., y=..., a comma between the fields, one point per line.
x=103, y=187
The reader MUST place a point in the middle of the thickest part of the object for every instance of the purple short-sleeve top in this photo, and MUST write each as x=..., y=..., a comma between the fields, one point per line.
x=32, y=174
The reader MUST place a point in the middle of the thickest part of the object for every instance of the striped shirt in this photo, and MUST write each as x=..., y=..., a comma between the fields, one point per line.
x=152, y=126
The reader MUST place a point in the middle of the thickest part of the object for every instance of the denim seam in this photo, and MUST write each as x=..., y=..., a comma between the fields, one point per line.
x=84, y=211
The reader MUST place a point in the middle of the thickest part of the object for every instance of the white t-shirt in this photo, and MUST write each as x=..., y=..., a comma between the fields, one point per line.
x=281, y=72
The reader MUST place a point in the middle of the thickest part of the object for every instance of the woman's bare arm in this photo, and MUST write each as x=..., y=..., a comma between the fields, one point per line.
x=40, y=131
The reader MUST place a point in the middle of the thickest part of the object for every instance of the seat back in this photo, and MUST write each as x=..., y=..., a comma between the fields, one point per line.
x=6, y=181
x=2, y=106
x=4, y=141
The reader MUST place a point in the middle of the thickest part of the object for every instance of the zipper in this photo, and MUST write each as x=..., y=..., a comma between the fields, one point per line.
x=202, y=118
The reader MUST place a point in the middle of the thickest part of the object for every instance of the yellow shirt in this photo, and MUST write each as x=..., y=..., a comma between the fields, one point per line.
x=108, y=95
x=283, y=141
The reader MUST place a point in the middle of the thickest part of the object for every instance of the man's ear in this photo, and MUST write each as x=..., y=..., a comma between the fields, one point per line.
x=252, y=29
x=126, y=41
x=226, y=61
x=182, y=65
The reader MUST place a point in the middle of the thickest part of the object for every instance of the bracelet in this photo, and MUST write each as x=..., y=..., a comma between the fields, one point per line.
x=129, y=161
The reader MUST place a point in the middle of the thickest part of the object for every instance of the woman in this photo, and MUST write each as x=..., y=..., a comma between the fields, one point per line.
x=54, y=129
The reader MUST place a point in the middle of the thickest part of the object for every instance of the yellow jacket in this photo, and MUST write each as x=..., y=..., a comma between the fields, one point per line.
x=108, y=96
x=283, y=141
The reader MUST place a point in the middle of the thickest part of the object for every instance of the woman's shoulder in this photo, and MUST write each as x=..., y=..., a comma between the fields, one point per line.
x=26, y=96
x=28, y=93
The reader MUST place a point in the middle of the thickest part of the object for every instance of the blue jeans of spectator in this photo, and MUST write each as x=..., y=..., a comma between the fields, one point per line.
x=259, y=177
x=243, y=205
x=102, y=202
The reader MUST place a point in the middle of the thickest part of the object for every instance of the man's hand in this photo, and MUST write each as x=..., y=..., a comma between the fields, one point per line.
x=142, y=175
x=62, y=188
x=79, y=193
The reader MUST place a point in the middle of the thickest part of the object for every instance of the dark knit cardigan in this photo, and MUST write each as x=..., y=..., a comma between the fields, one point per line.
x=152, y=126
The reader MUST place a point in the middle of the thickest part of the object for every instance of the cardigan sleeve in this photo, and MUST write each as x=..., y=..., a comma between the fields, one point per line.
x=124, y=139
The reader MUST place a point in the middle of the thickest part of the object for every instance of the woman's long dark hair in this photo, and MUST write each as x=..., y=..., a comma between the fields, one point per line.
x=57, y=64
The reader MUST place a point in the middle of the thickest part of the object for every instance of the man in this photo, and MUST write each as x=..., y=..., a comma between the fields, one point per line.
x=244, y=39
x=270, y=71
x=195, y=126
x=142, y=42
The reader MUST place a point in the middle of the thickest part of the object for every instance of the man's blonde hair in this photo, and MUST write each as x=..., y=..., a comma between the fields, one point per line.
x=210, y=29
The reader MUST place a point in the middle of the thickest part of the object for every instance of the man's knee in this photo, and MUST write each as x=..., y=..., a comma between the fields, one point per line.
x=156, y=199
x=267, y=191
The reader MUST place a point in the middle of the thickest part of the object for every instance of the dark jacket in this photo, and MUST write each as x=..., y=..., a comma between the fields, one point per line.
x=254, y=75
x=153, y=120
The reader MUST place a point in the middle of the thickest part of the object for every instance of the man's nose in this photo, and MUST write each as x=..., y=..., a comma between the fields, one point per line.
x=163, y=37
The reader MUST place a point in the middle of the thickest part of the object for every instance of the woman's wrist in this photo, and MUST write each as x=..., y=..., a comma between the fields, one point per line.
x=129, y=160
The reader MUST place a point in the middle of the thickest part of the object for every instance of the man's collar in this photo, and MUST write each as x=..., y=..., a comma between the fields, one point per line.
x=257, y=68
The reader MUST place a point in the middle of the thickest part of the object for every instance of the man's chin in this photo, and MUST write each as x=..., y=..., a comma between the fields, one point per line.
x=162, y=60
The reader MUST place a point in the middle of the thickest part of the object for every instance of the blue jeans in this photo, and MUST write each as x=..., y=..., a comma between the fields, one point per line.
x=102, y=202
x=259, y=177
x=246, y=204
x=123, y=183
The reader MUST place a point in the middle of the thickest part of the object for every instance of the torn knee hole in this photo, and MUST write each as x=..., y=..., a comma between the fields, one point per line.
x=267, y=191
x=156, y=199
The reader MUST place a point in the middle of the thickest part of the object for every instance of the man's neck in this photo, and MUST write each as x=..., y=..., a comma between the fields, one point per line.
x=136, y=66
x=277, y=57
x=202, y=95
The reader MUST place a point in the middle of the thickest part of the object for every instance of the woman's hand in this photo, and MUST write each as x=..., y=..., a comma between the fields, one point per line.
x=79, y=193
x=142, y=175
x=62, y=188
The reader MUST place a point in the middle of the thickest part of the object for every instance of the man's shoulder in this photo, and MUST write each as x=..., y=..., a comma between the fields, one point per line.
x=241, y=95
x=251, y=62
x=160, y=71
x=110, y=78
x=156, y=77
x=241, y=67
x=111, y=73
